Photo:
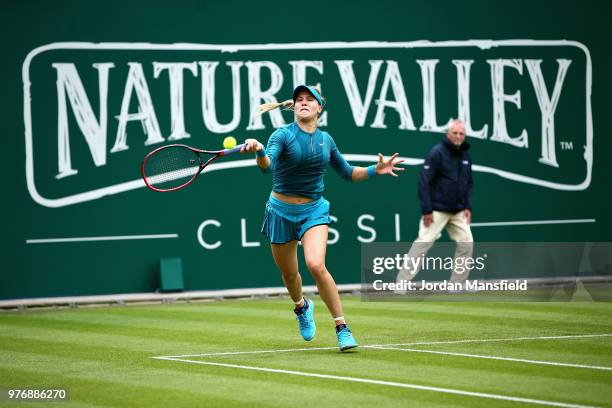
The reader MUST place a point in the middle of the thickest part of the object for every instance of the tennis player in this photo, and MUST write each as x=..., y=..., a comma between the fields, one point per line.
x=297, y=155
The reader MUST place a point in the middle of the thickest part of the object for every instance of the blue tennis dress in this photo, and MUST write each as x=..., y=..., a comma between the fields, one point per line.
x=298, y=161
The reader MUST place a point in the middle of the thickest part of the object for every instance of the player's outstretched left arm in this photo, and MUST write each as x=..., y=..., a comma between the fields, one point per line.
x=381, y=168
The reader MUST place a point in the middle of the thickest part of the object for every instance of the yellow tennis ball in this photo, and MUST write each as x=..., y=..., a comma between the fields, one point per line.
x=229, y=142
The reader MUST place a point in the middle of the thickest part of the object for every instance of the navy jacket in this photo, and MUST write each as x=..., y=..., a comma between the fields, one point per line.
x=445, y=183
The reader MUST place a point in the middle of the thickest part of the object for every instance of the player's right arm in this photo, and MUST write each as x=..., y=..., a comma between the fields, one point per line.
x=266, y=157
x=253, y=146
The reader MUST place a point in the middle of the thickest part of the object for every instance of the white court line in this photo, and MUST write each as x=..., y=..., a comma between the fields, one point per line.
x=518, y=360
x=571, y=336
x=390, y=345
x=535, y=222
x=380, y=382
x=236, y=353
x=108, y=238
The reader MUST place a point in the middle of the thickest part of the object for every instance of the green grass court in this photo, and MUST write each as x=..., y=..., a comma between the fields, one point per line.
x=104, y=355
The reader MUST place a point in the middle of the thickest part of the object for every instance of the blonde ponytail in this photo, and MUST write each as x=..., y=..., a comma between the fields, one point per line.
x=267, y=107
x=285, y=105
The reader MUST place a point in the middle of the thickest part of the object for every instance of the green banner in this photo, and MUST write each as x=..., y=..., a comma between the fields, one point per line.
x=90, y=90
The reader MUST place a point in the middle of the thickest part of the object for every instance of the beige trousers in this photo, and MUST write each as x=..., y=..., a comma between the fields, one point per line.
x=459, y=231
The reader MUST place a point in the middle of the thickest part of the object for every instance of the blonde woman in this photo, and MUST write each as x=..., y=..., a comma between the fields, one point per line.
x=297, y=155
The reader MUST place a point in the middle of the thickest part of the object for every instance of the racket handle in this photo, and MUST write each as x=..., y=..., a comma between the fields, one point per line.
x=232, y=150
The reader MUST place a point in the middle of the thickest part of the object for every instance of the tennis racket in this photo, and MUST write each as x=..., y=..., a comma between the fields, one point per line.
x=172, y=167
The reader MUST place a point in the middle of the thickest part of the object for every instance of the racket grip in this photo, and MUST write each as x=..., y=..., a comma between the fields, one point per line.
x=232, y=150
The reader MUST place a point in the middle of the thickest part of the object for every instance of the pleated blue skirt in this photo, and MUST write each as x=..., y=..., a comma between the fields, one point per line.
x=285, y=222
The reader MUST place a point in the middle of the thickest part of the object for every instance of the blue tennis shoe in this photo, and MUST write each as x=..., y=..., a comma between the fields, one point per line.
x=346, y=341
x=305, y=318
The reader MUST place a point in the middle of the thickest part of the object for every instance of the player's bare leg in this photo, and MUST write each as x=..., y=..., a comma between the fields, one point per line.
x=285, y=256
x=314, y=242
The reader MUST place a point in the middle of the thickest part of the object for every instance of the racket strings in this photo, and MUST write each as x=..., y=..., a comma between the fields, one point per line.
x=171, y=167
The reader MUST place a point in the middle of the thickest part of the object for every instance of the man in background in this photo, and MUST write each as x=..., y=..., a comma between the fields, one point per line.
x=445, y=195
